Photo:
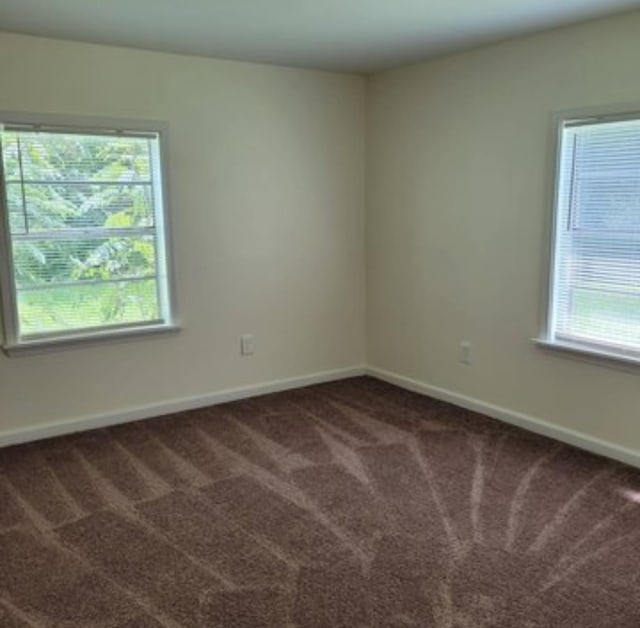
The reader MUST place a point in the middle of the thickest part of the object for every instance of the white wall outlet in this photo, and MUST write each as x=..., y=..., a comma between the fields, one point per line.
x=247, y=344
x=465, y=352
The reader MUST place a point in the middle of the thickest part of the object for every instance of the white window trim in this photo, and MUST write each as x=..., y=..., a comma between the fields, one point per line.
x=11, y=344
x=544, y=340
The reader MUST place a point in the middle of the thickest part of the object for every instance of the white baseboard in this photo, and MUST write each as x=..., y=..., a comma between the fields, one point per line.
x=530, y=423
x=125, y=415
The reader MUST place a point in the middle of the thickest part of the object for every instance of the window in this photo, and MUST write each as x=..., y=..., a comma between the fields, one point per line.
x=84, y=229
x=595, y=274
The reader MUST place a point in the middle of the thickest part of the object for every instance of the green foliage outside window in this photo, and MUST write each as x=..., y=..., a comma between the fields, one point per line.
x=81, y=220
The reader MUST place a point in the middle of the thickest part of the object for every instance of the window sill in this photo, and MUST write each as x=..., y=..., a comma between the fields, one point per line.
x=58, y=343
x=588, y=354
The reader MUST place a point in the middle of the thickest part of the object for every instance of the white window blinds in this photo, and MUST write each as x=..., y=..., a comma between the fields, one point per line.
x=83, y=215
x=596, y=272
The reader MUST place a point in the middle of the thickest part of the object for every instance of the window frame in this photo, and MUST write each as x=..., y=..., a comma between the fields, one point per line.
x=12, y=344
x=592, y=353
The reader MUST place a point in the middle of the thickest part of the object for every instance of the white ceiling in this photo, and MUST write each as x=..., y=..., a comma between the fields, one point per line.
x=352, y=35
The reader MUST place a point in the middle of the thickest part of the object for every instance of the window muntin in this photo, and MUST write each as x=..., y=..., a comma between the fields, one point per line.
x=84, y=226
x=595, y=280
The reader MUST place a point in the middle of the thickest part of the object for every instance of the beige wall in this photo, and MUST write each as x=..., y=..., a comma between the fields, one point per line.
x=268, y=199
x=458, y=189
x=267, y=203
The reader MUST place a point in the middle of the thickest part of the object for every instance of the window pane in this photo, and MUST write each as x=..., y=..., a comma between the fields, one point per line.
x=606, y=317
x=38, y=262
x=55, y=309
x=17, y=223
x=606, y=172
x=63, y=206
x=75, y=157
x=607, y=202
x=597, y=279
x=10, y=161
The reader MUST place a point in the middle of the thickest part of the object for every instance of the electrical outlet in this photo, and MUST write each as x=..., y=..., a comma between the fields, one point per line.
x=247, y=344
x=465, y=352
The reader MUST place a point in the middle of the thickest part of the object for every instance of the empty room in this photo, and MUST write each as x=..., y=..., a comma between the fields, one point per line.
x=319, y=314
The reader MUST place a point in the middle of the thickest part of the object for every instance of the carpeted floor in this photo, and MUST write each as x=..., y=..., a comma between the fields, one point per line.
x=346, y=505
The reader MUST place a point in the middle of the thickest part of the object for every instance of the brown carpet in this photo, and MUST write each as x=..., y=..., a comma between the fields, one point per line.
x=348, y=505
